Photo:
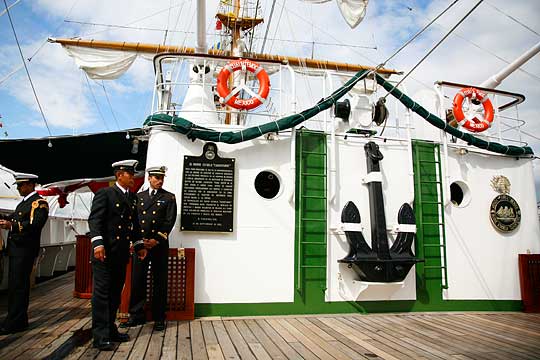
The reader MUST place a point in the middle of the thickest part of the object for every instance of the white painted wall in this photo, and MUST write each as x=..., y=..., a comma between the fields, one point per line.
x=256, y=262
x=351, y=168
x=482, y=262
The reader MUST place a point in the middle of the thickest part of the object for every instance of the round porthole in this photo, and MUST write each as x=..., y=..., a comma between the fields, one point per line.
x=267, y=184
x=460, y=195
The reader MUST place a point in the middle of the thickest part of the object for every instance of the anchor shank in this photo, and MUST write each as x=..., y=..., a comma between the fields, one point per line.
x=379, y=241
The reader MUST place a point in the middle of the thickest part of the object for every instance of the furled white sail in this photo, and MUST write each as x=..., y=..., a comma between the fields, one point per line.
x=102, y=64
x=352, y=10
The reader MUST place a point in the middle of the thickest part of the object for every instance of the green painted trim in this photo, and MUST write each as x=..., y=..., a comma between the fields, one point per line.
x=310, y=252
x=355, y=307
x=429, y=274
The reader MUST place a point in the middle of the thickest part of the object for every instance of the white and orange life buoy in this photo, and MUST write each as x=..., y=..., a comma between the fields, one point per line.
x=472, y=121
x=228, y=96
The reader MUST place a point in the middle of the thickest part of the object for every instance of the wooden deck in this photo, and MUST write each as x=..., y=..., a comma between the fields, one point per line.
x=60, y=328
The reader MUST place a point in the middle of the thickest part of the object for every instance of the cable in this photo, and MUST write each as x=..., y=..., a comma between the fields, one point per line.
x=268, y=26
x=420, y=32
x=10, y=6
x=433, y=48
x=129, y=23
x=513, y=18
x=110, y=106
x=27, y=72
x=95, y=101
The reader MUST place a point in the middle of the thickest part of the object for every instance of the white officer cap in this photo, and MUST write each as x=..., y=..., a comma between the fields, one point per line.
x=22, y=177
x=157, y=170
x=125, y=165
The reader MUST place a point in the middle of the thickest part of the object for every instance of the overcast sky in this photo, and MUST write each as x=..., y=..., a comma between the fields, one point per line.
x=493, y=35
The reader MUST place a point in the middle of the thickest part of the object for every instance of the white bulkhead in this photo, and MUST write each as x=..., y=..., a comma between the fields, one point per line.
x=254, y=263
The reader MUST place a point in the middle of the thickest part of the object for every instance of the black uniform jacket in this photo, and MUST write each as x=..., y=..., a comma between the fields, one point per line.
x=114, y=223
x=157, y=215
x=27, y=222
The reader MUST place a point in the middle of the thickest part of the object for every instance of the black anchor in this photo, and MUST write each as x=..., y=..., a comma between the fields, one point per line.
x=378, y=263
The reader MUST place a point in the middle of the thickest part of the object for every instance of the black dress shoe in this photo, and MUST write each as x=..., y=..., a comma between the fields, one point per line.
x=133, y=322
x=159, y=325
x=104, y=345
x=119, y=337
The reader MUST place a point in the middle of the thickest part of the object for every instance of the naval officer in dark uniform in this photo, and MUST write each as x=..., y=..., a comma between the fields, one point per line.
x=157, y=215
x=24, y=226
x=113, y=225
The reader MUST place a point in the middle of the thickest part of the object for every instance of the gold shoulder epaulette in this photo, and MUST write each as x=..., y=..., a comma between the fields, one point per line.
x=41, y=203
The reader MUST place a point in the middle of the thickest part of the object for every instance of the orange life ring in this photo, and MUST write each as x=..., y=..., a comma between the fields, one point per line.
x=476, y=124
x=228, y=96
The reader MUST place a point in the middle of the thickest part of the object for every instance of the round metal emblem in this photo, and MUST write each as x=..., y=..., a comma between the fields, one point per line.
x=505, y=213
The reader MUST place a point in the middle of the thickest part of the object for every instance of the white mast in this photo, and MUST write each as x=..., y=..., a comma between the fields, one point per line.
x=201, y=26
x=496, y=79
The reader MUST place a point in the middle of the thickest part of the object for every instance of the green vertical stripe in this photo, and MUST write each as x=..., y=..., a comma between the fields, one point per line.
x=427, y=210
x=310, y=234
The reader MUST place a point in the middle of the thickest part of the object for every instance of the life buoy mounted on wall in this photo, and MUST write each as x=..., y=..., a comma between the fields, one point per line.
x=228, y=96
x=473, y=123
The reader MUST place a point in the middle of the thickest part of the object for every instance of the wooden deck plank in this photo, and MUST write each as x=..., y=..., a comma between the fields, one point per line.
x=289, y=352
x=344, y=340
x=183, y=344
x=480, y=339
x=493, y=339
x=198, y=347
x=307, y=342
x=56, y=329
x=169, y=342
x=62, y=337
x=124, y=349
x=320, y=340
x=432, y=340
x=141, y=342
x=236, y=338
x=20, y=342
x=213, y=348
x=303, y=351
x=225, y=342
x=272, y=349
x=58, y=332
x=386, y=334
x=245, y=332
x=375, y=340
x=356, y=336
x=379, y=341
x=505, y=327
x=460, y=343
x=155, y=346
x=284, y=333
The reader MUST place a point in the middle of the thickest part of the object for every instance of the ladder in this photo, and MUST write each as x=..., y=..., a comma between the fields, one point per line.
x=311, y=214
x=429, y=209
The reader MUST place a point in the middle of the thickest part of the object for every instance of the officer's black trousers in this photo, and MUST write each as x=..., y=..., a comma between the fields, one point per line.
x=20, y=268
x=108, y=281
x=159, y=258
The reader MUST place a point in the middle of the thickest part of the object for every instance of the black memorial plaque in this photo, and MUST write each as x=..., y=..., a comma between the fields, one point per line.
x=207, y=192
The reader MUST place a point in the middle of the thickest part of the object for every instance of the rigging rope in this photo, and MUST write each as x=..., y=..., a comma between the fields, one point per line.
x=437, y=44
x=418, y=33
x=27, y=72
x=95, y=101
x=513, y=18
x=268, y=26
